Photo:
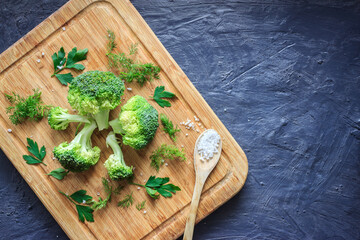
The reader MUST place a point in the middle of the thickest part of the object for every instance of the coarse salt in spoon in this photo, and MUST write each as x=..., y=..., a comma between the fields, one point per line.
x=206, y=155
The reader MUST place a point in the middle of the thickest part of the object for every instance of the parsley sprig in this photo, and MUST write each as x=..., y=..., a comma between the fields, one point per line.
x=71, y=62
x=169, y=126
x=160, y=93
x=163, y=152
x=129, y=70
x=157, y=186
x=39, y=154
x=26, y=108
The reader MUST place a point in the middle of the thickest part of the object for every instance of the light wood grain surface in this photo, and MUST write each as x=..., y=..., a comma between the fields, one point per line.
x=85, y=25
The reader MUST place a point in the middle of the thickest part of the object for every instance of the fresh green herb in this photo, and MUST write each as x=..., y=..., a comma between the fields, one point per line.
x=101, y=203
x=34, y=149
x=31, y=107
x=169, y=126
x=161, y=93
x=163, y=152
x=127, y=201
x=156, y=187
x=84, y=212
x=130, y=70
x=141, y=206
x=59, y=173
x=61, y=63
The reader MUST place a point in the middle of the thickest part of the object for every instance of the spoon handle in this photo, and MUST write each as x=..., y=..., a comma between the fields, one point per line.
x=190, y=222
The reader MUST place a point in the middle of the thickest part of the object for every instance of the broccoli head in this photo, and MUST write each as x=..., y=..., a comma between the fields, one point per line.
x=96, y=93
x=78, y=155
x=59, y=118
x=115, y=164
x=137, y=122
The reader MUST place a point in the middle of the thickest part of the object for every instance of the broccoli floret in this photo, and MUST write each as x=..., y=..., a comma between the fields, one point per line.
x=137, y=122
x=78, y=155
x=59, y=118
x=96, y=93
x=115, y=164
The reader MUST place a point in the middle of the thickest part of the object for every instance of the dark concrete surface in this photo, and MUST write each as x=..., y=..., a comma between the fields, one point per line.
x=288, y=75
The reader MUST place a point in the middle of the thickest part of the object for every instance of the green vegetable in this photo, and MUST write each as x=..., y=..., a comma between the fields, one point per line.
x=26, y=108
x=59, y=118
x=58, y=173
x=163, y=152
x=115, y=164
x=137, y=122
x=157, y=186
x=141, y=206
x=61, y=63
x=34, y=149
x=78, y=155
x=169, y=126
x=96, y=93
x=161, y=93
x=130, y=70
x=101, y=203
x=84, y=212
x=127, y=201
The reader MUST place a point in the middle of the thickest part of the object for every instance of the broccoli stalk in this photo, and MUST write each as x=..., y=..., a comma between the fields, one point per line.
x=115, y=164
x=59, y=118
x=102, y=119
x=78, y=155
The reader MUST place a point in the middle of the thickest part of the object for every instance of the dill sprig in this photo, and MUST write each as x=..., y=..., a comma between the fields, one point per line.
x=169, y=126
x=26, y=108
x=128, y=69
x=141, y=206
x=127, y=201
x=163, y=152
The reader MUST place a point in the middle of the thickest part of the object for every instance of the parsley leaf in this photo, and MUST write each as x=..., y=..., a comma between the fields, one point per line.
x=169, y=126
x=33, y=148
x=59, y=173
x=65, y=78
x=75, y=56
x=163, y=152
x=85, y=212
x=141, y=206
x=161, y=93
x=61, y=63
x=127, y=201
x=29, y=108
x=157, y=186
x=80, y=196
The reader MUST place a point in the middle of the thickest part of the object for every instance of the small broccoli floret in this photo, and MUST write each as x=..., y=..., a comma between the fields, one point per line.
x=115, y=164
x=137, y=122
x=96, y=93
x=59, y=118
x=78, y=155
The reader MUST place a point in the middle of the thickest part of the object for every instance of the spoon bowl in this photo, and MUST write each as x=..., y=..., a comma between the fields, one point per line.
x=203, y=168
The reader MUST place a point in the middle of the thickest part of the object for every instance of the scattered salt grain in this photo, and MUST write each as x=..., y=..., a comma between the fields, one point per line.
x=129, y=89
x=141, y=174
x=53, y=158
x=138, y=188
x=38, y=60
x=225, y=109
x=42, y=54
x=9, y=130
x=98, y=193
x=83, y=201
x=197, y=130
x=182, y=146
x=145, y=212
x=196, y=119
x=166, y=164
x=208, y=145
x=63, y=28
x=144, y=180
x=52, y=90
x=59, y=67
x=186, y=134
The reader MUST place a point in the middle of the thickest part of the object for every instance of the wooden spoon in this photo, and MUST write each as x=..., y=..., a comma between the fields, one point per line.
x=202, y=171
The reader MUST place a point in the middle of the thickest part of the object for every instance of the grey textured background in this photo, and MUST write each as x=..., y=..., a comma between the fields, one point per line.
x=288, y=74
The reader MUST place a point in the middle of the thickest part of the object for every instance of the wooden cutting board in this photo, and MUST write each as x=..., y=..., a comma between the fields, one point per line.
x=83, y=23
